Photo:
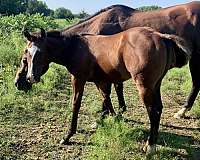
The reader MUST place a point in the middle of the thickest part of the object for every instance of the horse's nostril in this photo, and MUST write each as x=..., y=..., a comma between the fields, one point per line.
x=16, y=84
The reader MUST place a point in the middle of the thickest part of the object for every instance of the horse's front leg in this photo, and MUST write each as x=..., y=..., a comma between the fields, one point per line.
x=120, y=96
x=195, y=73
x=78, y=87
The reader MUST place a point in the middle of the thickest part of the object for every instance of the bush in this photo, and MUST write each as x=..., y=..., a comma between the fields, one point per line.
x=17, y=23
x=10, y=30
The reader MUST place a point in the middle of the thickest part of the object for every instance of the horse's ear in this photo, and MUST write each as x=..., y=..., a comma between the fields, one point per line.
x=43, y=33
x=27, y=35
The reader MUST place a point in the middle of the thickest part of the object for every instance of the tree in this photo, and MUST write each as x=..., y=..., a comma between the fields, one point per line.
x=9, y=7
x=63, y=13
x=35, y=6
x=83, y=14
x=148, y=8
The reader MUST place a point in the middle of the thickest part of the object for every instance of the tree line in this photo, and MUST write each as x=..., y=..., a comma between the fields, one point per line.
x=14, y=7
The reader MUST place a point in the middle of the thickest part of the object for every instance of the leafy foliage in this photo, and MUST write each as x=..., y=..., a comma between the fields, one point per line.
x=14, y=7
x=16, y=23
x=83, y=14
x=8, y=7
x=63, y=13
x=34, y=6
x=11, y=40
x=148, y=8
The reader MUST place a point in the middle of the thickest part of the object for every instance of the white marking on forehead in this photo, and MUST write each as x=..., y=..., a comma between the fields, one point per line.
x=33, y=49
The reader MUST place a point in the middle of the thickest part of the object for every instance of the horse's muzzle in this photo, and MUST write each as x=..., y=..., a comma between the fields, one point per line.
x=23, y=85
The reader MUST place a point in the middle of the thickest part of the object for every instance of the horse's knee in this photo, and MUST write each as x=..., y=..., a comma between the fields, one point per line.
x=146, y=95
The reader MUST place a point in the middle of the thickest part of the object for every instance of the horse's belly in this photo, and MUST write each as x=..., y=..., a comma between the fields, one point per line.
x=112, y=75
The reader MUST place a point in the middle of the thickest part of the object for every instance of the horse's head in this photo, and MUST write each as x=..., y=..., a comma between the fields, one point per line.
x=34, y=61
x=20, y=80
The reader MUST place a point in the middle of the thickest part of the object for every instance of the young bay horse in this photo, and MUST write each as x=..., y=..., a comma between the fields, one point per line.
x=182, y=20
x=106, y=22
x=139, y=53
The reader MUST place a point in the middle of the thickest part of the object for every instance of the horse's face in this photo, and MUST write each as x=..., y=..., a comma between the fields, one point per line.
x=37, y=56
x=34, y=61
x=20, y=80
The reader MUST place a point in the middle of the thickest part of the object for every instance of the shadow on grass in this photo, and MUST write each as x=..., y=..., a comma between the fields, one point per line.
x=181, y=145
x=175, y=145
x=163, y=125
x=75, y=143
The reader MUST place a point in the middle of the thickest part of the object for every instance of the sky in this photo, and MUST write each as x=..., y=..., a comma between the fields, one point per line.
x=92, y=6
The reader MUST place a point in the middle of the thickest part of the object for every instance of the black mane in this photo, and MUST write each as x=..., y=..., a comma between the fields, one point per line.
x=54, y=33
x=69, y=36
x=59, y=34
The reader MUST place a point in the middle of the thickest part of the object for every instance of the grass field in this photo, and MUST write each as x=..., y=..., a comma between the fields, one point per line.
x=32, y=124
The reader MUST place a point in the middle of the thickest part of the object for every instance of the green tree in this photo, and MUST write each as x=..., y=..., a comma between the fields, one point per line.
x=63, y=13
x=9, y=7
x=35, y=6
x=82, y=14
x=148, y=8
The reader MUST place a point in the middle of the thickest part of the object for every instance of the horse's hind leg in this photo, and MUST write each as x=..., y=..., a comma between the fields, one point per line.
x=78, y=87
x=120, y=96
x=152, y=100
x=195, y=73
x=105, y=90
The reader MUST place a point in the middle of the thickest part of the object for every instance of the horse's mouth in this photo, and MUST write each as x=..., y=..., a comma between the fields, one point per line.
x=23, y=86
x=36, y=79
x=33, y=79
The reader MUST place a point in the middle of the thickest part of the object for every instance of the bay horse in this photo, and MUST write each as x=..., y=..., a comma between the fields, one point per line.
x=182, y=20
x=106, y=22
x=139, y=53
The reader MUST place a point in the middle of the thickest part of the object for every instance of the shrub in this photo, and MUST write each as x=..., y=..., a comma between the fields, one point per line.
x=9, y=24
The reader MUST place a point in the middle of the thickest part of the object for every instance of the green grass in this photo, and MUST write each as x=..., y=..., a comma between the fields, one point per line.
x=33, y=123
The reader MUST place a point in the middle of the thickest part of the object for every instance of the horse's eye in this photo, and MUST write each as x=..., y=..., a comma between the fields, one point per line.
x=26, y=50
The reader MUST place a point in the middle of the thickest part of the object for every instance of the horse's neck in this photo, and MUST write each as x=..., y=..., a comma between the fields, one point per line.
x=66, y=51
x=57, y=50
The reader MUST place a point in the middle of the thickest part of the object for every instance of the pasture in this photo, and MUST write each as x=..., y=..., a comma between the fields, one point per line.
x=33, y=123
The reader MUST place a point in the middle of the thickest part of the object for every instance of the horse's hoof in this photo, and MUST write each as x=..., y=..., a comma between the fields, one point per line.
x=149, y=149
x=94, y=125
x=64, y=142
x=181, y=113
x=124, y=109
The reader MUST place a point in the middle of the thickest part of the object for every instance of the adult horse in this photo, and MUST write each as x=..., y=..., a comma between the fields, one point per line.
x=182, y=20
x=139, y=53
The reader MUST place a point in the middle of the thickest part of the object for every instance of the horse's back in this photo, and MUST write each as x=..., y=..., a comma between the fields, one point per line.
x=130, y=52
